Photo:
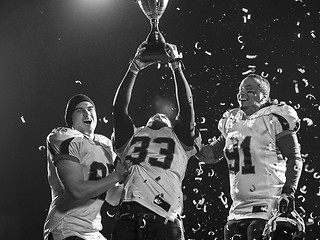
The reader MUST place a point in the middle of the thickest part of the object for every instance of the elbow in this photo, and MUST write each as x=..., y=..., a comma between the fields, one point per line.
x=77, y=192
x=208, y=160
x=76, y=195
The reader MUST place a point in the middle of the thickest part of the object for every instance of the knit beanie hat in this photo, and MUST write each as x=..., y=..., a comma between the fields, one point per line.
x=71, y=105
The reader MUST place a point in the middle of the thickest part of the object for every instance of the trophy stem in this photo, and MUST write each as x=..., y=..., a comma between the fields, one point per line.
x=154, y=25
x=155, y=38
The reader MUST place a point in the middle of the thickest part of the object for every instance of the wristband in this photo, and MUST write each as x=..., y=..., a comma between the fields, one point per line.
x=176, y=63
x=134, y=68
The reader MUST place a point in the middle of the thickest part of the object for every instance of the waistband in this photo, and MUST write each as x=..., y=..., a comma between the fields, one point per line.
x=134, y=210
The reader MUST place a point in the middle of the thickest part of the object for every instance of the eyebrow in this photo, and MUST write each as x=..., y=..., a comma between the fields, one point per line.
x=82, y=108
x=246, y=86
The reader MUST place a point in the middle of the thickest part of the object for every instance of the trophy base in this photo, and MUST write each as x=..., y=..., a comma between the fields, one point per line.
x=159, y=56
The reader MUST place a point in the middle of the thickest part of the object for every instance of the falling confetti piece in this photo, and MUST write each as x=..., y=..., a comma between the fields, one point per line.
x=316, y=175
x=203, y=129
x=306, y=169
x=305, y=82
x=110, y=215
x=197, y=45
x=196, y=229
x=251, y=56
x=105, y=120
x=245, y=10
x=211, y=174
x=310, y=96
x=22, y=119
x=303, y=189
x=296, y=88
x=41, y=148
x=247, y=72
x=309, y=121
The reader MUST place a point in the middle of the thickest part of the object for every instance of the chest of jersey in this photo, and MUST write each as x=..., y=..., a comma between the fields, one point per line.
x=96, y=161
x=158, y=150
x=250, y=145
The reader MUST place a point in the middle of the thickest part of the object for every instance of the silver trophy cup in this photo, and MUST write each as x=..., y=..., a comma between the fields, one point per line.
x=153, y=9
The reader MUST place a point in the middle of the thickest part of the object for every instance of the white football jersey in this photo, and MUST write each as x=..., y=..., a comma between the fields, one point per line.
x=67, y=216
x=256, y=166
x=155, y=179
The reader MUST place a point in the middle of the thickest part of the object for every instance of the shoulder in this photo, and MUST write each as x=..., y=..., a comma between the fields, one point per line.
x=285, y=114
x=103, y=140
x=61, y=134
x=229, y=117
x=61, y=138
x=231, y=113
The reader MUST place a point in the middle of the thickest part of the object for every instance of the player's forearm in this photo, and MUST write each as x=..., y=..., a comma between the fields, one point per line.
x=290, y=149
x=87, y=189
x=123, y=93
x=122, y=123
x=213, y=152
x=183, y=95
x=293, y=174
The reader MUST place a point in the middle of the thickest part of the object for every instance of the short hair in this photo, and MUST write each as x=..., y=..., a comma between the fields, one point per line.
x=263, y=83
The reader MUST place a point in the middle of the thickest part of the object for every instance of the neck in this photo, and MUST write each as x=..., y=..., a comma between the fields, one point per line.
x=250, y=110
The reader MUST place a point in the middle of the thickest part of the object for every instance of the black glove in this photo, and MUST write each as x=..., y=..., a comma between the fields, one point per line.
x=286, y=203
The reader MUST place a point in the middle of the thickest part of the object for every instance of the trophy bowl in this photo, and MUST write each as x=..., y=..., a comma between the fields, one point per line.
x=154, y=9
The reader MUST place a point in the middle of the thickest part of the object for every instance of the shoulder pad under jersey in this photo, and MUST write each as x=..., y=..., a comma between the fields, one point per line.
x=103, y=140
x=63, y=133
x=59, y=139
x=230, y=115
x=286, y=115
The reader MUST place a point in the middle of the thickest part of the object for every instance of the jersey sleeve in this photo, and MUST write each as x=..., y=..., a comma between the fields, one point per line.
x=286, y=118
x=63, y=143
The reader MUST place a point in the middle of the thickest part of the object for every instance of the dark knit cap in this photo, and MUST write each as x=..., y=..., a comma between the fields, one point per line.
x=71, y=105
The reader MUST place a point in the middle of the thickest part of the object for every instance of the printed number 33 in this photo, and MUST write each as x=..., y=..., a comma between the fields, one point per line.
x=142, y=151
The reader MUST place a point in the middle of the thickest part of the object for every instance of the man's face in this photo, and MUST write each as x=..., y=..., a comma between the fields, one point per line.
x=84, y=118
x=250, y=95
x=158, y=121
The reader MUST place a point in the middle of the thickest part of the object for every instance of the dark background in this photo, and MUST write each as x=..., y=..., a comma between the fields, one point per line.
x=51, y=50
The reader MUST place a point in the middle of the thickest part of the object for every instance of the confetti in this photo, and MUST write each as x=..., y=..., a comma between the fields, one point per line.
x=22, y=119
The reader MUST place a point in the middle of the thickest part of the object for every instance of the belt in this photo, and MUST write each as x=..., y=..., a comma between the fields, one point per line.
x=134, y=210
x=141, y=214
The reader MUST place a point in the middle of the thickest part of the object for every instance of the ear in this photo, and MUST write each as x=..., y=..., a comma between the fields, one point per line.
x=264, y=99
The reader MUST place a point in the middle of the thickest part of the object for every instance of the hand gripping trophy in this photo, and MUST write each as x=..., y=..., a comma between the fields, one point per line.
x=153, y=9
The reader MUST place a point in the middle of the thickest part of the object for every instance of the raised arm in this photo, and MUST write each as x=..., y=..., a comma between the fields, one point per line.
x=122, y=122
x=185, y=120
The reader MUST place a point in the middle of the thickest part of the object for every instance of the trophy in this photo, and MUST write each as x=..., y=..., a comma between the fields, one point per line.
x=153, y=9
